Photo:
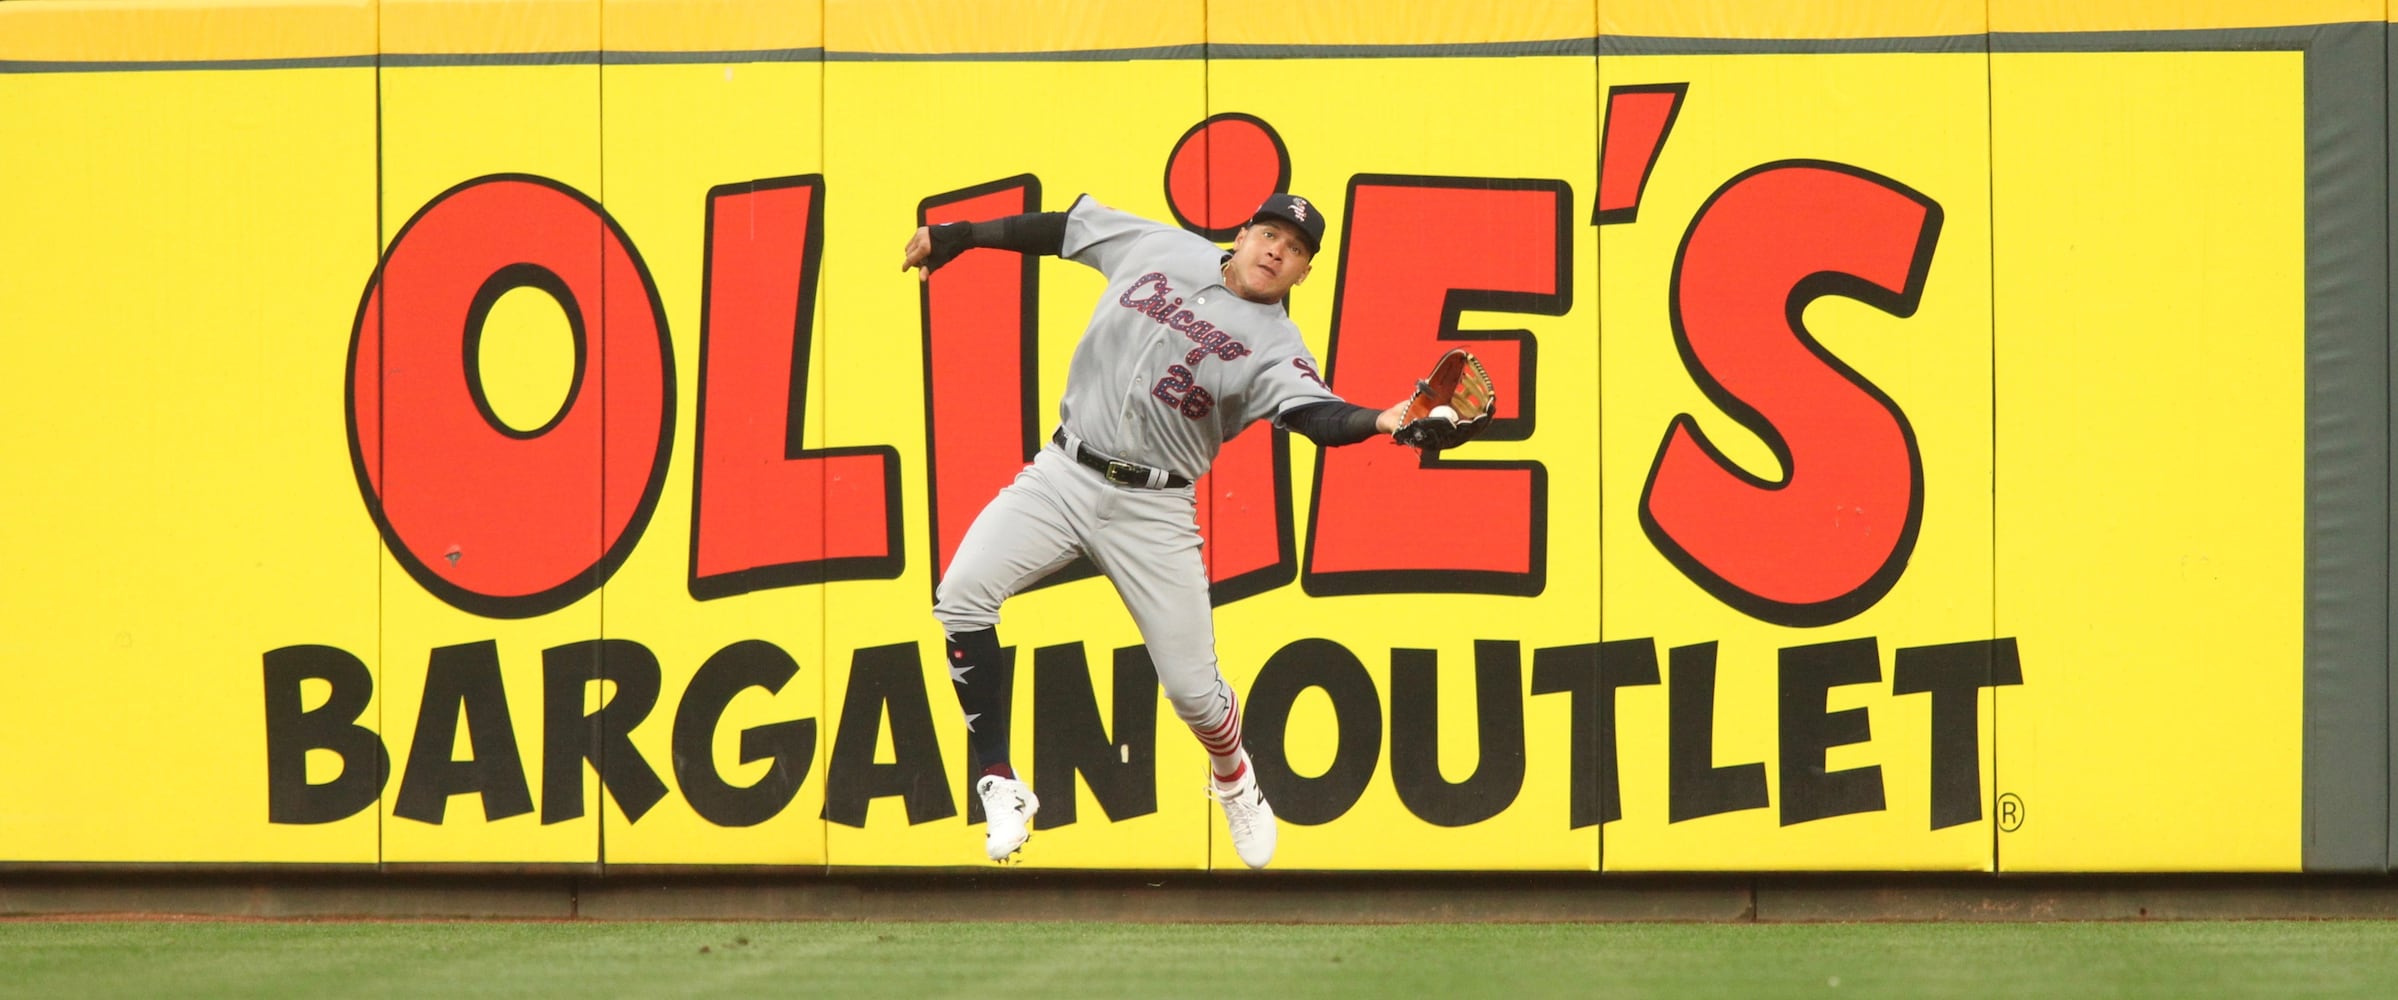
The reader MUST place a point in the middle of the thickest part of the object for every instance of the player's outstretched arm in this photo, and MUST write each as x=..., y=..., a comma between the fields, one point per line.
x=1332, y=423
x=1033, y=232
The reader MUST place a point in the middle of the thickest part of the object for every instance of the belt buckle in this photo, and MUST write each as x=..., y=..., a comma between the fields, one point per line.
x=1126, y=473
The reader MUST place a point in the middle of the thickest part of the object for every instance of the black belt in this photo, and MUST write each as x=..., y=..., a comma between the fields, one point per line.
x=1119, y=473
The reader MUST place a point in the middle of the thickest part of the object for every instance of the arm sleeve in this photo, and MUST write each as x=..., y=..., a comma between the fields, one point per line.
x=1332, y=423
x=1033, y=232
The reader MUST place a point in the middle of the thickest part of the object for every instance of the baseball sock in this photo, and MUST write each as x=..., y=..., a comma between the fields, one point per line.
x=1223, y=743
x=983, y=675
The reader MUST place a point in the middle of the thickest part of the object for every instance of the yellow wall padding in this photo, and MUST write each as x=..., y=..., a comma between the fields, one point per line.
x=110, y=31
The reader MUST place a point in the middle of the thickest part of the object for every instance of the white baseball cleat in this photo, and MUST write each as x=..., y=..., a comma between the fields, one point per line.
x=1247, y=815
x=1008, y=807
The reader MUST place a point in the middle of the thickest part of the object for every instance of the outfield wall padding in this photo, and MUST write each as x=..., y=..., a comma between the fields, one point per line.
x=473, y=436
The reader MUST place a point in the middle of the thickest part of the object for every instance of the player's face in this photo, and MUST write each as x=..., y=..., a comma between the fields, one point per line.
x=1267, y=259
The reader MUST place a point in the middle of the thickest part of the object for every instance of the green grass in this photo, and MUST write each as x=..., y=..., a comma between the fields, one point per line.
x=985, y=961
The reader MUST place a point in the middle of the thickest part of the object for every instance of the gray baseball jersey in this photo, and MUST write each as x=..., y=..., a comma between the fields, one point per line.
x=1173, y=364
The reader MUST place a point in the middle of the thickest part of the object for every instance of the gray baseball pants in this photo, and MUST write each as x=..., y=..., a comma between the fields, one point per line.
x=1145, y=540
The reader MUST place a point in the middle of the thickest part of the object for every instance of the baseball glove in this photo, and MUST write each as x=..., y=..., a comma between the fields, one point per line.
x=1450, y=407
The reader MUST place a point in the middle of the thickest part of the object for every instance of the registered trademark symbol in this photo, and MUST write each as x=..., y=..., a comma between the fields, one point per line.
x=2010, y=813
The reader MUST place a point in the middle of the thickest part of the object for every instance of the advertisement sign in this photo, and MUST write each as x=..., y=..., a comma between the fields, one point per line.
x=501, y=434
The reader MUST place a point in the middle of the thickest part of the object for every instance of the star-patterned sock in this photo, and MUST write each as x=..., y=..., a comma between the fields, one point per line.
x=983, y=675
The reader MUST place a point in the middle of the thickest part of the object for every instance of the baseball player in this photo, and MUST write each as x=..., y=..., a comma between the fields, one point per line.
x=1188, y=345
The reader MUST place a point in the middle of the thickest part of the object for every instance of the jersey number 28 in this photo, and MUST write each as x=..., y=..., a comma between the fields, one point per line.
x=1177, y=391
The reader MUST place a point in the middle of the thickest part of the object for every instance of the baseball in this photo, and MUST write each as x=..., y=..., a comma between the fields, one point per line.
x=1443, y=413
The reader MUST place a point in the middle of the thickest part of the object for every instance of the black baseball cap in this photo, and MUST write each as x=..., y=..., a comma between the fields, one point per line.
x=1290, y=208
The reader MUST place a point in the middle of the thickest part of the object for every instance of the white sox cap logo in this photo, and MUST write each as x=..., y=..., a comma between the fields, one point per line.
x=1299, y=208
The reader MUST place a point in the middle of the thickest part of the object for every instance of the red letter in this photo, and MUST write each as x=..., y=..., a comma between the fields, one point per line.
x=500, y=521
x=1217, y=174
x=1832, y=535
x=981, y=348
x=766, y=512
x=1638, y=120
x=1245, y=505
x=1502, y=245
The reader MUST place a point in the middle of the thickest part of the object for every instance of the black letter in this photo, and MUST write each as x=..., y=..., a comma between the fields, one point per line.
x=1499, y=733
x=1809, y=673
x=1356, y=713
x=1952, y=673
x=734, y=669
x=1069, y=736
x=886, y=679
x=1695, y=786
x=1575, y=670
x=1593, y=674
x=291, y=732
x=568, y=737
x=464, y=677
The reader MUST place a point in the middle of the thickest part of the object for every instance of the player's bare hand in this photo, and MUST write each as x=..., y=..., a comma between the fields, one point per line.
x=1389, y=420
x=919, y=249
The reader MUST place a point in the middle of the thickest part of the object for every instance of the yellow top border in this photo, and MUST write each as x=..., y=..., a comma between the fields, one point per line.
x=482, y=27
x=959, y=27
x=1397, y=22
x=1809, y=20
x=120, y=31
x=317, y=32
x=204, y=31
x=711, y=25
x=510, y=27
x=2176, y=15
x=1865, y=19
